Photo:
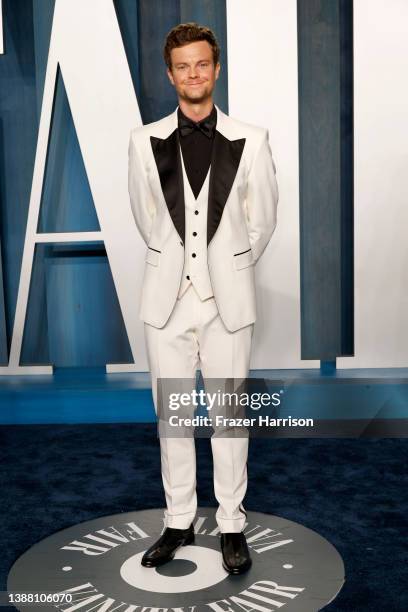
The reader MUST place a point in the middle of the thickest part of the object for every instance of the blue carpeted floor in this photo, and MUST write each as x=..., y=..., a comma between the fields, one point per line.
x=353, y=492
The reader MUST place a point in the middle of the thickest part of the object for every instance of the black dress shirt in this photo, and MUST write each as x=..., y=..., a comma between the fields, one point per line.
x=196, y=148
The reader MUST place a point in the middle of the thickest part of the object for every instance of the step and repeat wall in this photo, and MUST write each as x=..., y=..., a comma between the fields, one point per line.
x=325, y=78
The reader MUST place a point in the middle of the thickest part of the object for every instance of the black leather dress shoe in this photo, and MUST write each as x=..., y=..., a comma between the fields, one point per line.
x=164, y=549
x=235, y=553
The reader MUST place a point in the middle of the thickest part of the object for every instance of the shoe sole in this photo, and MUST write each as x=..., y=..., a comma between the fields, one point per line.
x=235, y=571
x=189, y=541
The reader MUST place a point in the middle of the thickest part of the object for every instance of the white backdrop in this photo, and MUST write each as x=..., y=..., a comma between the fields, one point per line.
x=87, y=47
x=263, y=89
x=262, y=75
x=86, y=43
x=381, y=184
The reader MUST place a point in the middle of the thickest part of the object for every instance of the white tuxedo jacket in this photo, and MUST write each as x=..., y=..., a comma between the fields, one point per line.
x=242, y=206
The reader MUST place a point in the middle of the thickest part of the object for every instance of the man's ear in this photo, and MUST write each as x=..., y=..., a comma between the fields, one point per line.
x=169, y=74
x=217, y=70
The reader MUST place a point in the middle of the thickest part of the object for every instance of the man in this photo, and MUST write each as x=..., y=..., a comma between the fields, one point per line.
x=204, y=196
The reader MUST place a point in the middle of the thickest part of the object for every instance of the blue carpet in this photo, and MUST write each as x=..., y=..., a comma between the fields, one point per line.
x=89, y=395
x=353, y=492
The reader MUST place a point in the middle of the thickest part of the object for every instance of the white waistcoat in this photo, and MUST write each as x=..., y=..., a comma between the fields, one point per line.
x=195, y=242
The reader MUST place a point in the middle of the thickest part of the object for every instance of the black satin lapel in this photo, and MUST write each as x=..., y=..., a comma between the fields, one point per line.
x=226, y=155
x=167, y=155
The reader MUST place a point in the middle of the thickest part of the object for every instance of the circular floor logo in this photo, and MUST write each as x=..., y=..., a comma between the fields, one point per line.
x=95, y=566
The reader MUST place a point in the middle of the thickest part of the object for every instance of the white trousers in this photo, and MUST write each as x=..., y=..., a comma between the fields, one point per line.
x=195, y=337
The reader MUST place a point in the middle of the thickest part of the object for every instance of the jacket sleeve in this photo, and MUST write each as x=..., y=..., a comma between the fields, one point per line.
x=141, y=197
x=261, y=198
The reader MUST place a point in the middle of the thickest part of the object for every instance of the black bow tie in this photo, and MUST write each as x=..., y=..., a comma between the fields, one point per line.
x=206, y=126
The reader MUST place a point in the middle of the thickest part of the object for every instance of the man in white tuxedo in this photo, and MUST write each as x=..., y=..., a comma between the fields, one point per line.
x=204, y=196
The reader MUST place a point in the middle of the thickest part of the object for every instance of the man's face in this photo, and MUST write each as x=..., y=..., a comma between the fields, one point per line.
x=193, y=73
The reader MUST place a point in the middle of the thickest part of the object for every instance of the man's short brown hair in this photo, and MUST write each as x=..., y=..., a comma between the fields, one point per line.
x=186, y=33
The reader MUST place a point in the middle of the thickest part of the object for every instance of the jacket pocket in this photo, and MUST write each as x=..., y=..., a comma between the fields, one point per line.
x=152, y=256
x=243, y=259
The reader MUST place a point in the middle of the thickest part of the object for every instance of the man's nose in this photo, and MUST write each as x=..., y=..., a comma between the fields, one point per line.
x=192, y=73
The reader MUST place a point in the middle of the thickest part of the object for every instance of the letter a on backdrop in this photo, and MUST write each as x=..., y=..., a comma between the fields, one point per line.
x=87, y=47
